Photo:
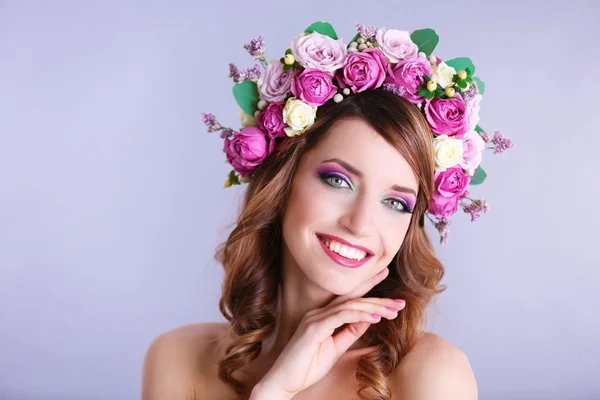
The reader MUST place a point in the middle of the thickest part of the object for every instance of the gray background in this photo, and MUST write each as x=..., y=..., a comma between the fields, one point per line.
x=111, y=198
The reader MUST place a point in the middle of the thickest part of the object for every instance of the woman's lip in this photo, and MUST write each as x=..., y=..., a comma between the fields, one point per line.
x=342, y=241
x=341, y=260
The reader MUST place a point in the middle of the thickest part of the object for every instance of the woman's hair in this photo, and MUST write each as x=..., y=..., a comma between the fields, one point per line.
x=251, y=256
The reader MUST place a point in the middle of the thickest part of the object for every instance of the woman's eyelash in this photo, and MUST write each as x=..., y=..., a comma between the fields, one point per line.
x=405, y=208
x=327, y=177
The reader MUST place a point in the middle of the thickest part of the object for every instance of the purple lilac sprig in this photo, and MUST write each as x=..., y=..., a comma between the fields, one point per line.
x=469, y=94
x=246, y=74
x=396, y=89
x=498, y=142
x=367, y=32
x=213, y=125
x=475, y=208
x=442, y=226
x=256, y=48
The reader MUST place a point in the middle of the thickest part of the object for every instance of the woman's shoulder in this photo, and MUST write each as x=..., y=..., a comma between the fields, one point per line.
x=176, y=361
x=435, y=369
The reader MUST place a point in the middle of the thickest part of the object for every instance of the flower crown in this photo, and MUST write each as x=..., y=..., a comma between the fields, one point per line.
x=280, y=100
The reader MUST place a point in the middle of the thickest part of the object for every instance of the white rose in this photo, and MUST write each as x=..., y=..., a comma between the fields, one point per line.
x=298, y=115
x=447, y=151
x=396, y=44
x=245, y=119
x=442, y=74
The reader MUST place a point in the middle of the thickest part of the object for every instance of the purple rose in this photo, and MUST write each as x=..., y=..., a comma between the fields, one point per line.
x=314, y=87
x=319, y=51
x=271, y=120
x=276, y=83
x=448, y=116
x=473, y=147
x=450, y=186
x=364, y=70
x=248, y=149
x=410, y=74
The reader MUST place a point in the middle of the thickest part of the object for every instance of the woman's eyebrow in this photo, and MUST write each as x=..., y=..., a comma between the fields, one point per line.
x=353, y=170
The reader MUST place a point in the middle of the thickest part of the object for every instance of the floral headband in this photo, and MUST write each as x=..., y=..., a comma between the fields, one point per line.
x=280, y=100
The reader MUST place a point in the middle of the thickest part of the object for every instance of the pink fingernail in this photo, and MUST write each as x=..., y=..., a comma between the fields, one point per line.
x=400, y=301
x=376, y=316
x=392, y=309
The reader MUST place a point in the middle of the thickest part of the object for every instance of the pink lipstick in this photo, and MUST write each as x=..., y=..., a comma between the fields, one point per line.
x=338, y=258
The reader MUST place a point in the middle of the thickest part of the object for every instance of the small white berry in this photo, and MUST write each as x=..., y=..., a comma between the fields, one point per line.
x=352, y=49
x=421, y=54
x=353, y=44
x=262, y=105
x=360, y=40
x=256, y=113
x=346, y=91
x=362, y=46
x=432, y=59
x=338, y=97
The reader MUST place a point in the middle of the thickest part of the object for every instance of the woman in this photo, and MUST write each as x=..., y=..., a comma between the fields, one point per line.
x=329, y=269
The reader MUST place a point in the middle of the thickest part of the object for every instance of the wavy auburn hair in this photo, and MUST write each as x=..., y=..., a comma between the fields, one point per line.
x=251, y=256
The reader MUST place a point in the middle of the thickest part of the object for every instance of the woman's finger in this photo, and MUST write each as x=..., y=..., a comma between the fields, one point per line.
x=387, y=308
x=349, y=335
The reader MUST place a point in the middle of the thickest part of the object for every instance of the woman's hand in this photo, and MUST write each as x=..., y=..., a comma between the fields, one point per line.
x=313, y=351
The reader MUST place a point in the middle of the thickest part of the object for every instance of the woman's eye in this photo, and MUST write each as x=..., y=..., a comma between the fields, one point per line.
x=397, y=205
x=336, y=181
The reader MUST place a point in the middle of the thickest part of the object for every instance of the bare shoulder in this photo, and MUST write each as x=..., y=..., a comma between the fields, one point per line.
x=435, y=369
x=175, y=361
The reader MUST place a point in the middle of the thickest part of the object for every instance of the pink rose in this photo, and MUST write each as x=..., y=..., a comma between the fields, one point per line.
x=450, y=185
x=271, y=120
x=314, y=87
x=319, y=51
x=442, y=207
x=473, y=147
x=275, y=84
x=248, y=149
x=363, y=70
x=447, y=116
x=396, y=45
x=410, y=74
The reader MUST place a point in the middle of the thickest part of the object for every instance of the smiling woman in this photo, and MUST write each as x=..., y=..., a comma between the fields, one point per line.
x=329, y=269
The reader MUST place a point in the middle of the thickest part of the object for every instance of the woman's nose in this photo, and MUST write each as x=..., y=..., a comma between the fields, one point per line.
x=359, y=218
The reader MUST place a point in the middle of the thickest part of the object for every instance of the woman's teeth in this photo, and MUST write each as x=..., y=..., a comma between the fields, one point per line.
x=343, y=250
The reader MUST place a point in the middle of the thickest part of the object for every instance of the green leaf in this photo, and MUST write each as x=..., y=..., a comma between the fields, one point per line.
x=480, y=85
x=461, y=63
x=479, y=176
x=439, y=93
x=323, y=28
x=246, y=95
x=288, y=51
x=426, y=40
x=233, y=178
x=461, y=83
x=429, y=95
x=478, y=129
x=423, y=92
x=354, y=38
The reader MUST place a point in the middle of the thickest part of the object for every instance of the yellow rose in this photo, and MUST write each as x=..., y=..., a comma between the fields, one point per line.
x=447, y=151
x=298, y=116
x=443, y=74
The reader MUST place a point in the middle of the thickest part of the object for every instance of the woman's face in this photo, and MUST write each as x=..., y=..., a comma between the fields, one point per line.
x=354, y=188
